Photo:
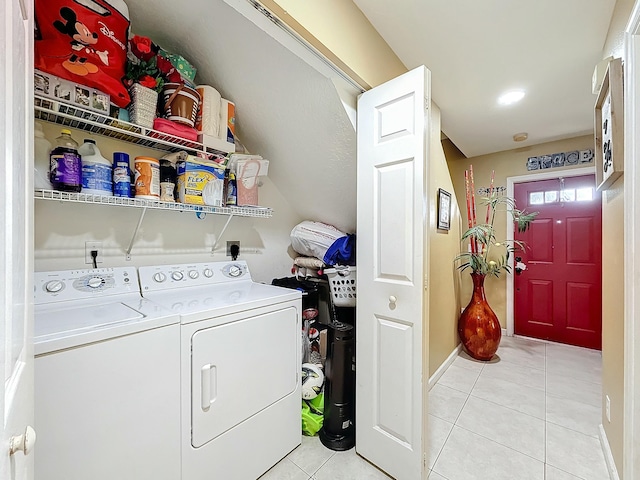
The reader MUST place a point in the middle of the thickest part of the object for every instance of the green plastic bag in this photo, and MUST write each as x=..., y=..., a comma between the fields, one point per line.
x=312, y=415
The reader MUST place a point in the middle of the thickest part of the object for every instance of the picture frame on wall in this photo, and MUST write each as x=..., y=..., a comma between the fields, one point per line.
x=609, y=127
x=444, y=209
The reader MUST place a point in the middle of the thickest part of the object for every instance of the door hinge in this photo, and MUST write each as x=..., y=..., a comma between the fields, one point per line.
x=426, y=280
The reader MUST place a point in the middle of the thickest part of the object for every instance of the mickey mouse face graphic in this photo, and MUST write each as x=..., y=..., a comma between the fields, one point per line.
x=81, y=39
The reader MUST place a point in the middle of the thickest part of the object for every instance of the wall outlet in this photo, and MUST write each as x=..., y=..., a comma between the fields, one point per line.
x=230, y=243
x=608, y=408
x=88, y=247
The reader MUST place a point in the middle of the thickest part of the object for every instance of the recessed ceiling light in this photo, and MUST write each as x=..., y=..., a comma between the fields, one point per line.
x=510, y=98
x=520, y=137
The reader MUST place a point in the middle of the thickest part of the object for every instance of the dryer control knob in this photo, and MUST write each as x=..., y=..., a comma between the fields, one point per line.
x=95, y=282
x=208, y=272
x=177, y=276
x=53, y=286
x=193, y=274
x=159, y=277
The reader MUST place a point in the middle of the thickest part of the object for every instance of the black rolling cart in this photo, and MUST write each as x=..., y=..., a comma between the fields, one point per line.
x=338, y=430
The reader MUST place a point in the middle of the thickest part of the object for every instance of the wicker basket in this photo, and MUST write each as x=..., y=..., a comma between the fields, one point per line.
x=342, y=283
x=142, y=109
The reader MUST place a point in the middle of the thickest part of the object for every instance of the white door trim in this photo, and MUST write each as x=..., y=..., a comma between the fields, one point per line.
x=511, y=181
x=631, y=455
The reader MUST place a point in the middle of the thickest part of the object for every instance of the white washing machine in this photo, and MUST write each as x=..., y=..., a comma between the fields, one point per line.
x=240, y=344
x=107, y=376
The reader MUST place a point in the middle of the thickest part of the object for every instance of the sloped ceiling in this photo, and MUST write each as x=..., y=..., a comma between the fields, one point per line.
x=477, y=50
x=286, y=110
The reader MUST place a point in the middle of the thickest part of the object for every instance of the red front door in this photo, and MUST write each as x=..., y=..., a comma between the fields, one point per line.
x=558, y=296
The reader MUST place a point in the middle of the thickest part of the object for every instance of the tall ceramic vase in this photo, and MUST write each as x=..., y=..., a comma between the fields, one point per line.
x=478, y=327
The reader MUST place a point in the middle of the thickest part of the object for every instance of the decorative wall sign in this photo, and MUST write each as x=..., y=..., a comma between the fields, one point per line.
x=609, y=126
x=562, y=159
x=444, y=209
x=486, y=191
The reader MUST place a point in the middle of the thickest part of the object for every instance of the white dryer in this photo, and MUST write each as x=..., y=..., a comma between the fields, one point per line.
x=240, y=367
x=107, y=375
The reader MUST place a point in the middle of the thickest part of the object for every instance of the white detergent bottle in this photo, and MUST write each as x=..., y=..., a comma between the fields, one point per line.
x=96, y=170
x=42, y=147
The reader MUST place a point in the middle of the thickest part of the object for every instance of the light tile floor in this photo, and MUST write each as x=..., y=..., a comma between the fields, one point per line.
x=532, y=413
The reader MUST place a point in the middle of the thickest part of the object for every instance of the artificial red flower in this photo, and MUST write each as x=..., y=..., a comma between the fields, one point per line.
x=164, y=65
x=147, y=81
x=142, y=47
x=168, y=71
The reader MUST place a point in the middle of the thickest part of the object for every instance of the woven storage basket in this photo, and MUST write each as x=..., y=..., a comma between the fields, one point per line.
x=142, y=109
x=342, y=283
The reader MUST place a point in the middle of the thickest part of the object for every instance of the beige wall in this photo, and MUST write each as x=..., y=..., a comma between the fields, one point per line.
x=613, y=274
x=341, y=31
x=443, y=277
x=613, y=315
x=506, y=164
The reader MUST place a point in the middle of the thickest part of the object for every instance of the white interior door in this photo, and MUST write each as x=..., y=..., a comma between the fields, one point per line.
x=16, y=218
x=392, y=323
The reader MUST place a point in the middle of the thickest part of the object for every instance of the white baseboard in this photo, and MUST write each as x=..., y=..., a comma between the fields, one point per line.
x=443, y=368
x=608, y=455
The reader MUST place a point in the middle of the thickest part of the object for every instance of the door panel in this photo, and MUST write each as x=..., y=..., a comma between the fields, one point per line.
x=558, y=297
x=393, y=404
x=391, y=319
x=16, y=239
x=393, y=210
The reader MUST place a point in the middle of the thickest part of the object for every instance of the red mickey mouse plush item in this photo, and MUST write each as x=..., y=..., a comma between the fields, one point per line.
x=84, y=41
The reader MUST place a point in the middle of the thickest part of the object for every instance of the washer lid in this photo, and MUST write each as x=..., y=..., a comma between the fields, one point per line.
x=72, y=321
x=71, y=324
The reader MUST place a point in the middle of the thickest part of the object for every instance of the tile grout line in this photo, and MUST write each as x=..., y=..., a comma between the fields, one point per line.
x=501, y=444
x=458, y=416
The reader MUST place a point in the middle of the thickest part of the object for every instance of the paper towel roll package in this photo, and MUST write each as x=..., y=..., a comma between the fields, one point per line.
x=208, y=120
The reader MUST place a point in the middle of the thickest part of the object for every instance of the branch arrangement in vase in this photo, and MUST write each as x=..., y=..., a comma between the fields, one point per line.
x=488, y=255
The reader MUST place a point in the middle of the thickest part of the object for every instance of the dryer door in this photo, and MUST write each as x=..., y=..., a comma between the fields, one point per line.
x=239, y=369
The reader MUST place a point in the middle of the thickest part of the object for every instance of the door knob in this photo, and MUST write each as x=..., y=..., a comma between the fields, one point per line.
x=24, y=442
x=393, y=299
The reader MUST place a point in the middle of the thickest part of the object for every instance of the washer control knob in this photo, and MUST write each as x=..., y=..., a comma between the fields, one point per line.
x=95, y=282
x=235, y=271
x=193, y=274
x=208, y=272
x=177, y=276
x=53, y=286
x=159, y=277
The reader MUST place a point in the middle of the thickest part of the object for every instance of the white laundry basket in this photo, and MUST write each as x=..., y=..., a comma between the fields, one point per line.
x=342, y=283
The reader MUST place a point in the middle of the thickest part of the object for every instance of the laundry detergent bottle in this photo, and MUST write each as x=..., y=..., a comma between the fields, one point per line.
x=96, y=170
x=65, y=165
x=41, y=149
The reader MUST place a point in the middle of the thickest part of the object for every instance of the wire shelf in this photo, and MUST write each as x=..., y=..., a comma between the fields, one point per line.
x=73, y=116
x=260, y=212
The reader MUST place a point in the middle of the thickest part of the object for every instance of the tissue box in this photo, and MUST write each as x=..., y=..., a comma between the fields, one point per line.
x=200, y=182
x=247, y=173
